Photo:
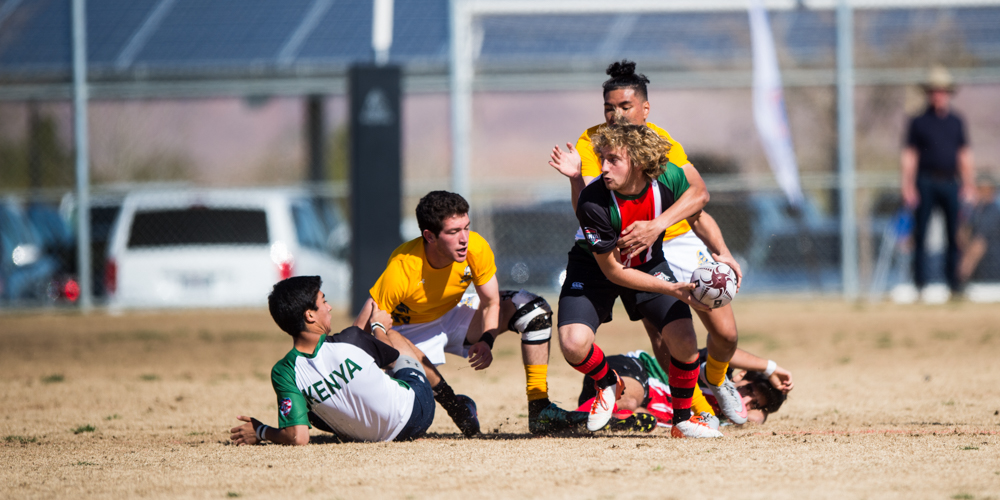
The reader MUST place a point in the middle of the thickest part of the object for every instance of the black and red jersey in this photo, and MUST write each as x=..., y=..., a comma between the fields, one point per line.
x=603, y=213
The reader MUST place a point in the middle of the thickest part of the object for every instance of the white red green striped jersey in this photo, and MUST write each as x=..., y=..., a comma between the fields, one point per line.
x=603, y=213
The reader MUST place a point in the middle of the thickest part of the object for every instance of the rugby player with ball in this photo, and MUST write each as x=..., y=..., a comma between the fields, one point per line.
x=625, y=94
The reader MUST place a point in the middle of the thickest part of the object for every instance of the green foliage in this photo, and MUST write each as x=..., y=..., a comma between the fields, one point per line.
x=149, y=377
x=84, y=428
x=20, y=439
x=113, y=417
x=232, y=494
x=54, y=378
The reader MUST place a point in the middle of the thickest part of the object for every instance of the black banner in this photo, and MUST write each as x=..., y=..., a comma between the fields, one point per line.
x=375, y=174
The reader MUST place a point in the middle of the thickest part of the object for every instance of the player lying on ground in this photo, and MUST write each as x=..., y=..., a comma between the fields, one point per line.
x=637, y=184
x=762, y=386
x=625, y=94
x=337, y=381
x=423, y=286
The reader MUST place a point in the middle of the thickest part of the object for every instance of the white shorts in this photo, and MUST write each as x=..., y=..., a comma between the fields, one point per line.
x=684, y=254
x=445, y=334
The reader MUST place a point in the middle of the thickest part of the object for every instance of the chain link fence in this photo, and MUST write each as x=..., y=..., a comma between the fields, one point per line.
x=538, y=80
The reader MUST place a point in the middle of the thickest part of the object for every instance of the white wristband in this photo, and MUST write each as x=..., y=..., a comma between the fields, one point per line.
x=260, y=432
x=771, y=366
x=376, y=324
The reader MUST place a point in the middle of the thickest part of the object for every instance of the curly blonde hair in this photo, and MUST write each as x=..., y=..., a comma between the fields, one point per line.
x=647, y=151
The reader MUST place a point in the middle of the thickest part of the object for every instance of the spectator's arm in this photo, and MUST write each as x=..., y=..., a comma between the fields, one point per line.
x=908, y=178
x=967, y=173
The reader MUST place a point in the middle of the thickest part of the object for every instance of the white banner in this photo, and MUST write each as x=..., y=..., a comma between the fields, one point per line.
x=769, y=106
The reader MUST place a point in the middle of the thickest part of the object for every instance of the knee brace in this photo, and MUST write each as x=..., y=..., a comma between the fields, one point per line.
x=532, y=317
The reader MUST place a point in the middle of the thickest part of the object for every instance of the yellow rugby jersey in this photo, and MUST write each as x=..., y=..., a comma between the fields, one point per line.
x=592, y=166
x=415, y=292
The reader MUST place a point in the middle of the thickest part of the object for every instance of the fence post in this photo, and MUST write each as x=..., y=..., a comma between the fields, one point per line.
x=845, y=149
x=80, y=142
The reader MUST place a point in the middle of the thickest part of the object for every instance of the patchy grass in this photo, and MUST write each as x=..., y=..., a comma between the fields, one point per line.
x=113, y=417
x=232, y=494
x=81, y=462
x=19, y=439
x=149, y=377
x=968, y=447
x=138, y=335
x=884, y=341
x=55, y=378
x=943, y=335
x=84, y=428
x=768, y=342
x=505, y=353
x=247, y=336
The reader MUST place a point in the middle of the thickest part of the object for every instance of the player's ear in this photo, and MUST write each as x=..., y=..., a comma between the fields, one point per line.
x=310, y=316
x=429, y=237
x=645, y=109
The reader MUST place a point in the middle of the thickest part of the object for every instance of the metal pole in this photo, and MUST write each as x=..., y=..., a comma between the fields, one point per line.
x=382, y=12
x=82, y=154
x=845, y=149
x=461, y=95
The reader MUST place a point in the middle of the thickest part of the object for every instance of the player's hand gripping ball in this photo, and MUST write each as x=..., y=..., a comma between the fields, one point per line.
x=715, y=284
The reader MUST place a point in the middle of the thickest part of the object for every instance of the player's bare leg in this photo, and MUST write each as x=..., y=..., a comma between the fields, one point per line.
x=682, y=371
x=722, y=341
x=722, y=333
x=531, y=317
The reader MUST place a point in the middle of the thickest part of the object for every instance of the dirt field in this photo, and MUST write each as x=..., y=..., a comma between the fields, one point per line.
x=890, y=402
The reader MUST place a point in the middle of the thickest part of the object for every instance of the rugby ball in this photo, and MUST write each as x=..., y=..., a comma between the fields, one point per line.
x=715, y=284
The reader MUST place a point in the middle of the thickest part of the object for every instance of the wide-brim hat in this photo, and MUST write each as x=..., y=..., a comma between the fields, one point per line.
x=939, y=78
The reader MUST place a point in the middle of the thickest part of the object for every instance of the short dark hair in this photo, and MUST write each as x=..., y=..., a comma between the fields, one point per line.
x=623, y=76
x=437, y=206
x=290, y=299
x=775, y=398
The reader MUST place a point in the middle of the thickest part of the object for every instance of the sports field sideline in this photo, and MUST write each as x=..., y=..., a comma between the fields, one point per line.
x=889, y=402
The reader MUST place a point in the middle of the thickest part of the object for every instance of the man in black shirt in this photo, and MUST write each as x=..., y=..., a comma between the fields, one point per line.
x=936, y=165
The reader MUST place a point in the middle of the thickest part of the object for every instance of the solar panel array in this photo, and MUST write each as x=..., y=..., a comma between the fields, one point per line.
x=197, y=38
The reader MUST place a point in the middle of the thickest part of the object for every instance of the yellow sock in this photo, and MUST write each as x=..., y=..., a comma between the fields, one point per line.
x=537, y=386
x=715, y=371
x=699, y=403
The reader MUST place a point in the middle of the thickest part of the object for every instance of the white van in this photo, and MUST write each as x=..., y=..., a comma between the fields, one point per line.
x=219, y=248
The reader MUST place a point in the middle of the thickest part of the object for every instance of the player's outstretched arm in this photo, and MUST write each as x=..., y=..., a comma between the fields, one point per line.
x=638, y=280
x=569, y=164
x=640, y=235
x=248, y=433
x=779, y=377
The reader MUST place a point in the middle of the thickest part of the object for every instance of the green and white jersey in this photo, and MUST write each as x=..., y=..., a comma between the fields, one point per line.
x=342, y=382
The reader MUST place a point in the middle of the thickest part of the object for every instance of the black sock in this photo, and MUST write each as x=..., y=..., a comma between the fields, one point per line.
x=536, y=406
x=444, y=395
